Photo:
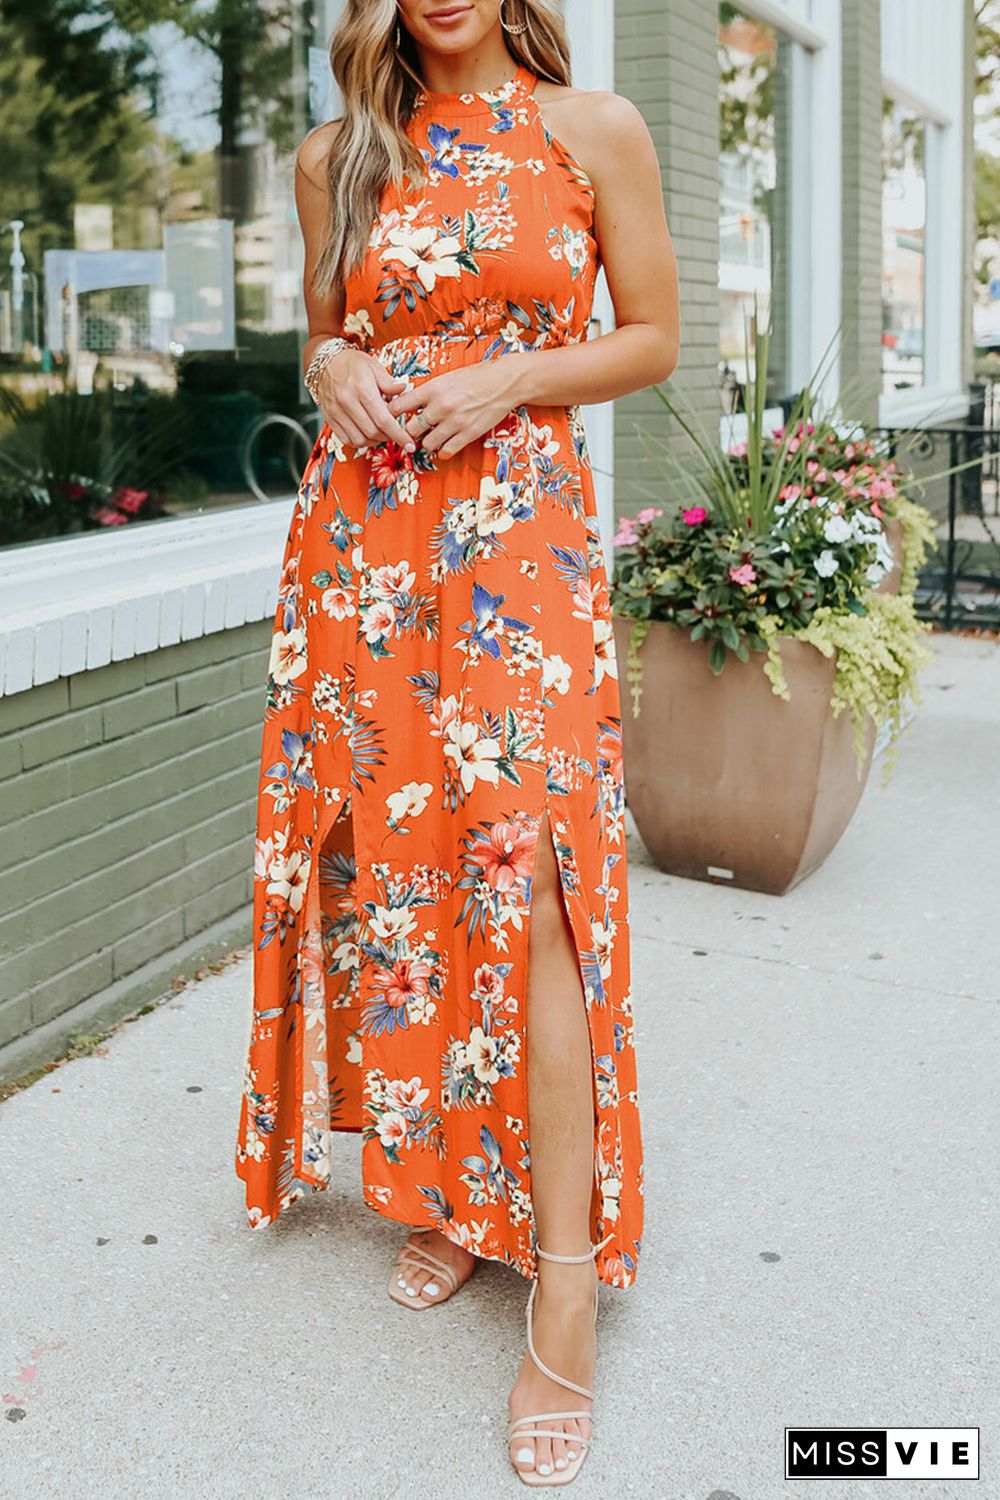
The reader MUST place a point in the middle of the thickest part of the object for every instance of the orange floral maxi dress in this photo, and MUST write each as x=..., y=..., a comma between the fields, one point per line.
x=442, y=675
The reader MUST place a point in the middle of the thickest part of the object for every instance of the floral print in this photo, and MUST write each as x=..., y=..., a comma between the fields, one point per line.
x=442, y=679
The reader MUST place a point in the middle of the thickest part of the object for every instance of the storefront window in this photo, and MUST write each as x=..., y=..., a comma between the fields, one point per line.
x=150, y=264
x=754, y=206
x=904, y=230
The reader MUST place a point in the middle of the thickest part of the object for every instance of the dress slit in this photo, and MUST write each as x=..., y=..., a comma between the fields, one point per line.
x=546, y=821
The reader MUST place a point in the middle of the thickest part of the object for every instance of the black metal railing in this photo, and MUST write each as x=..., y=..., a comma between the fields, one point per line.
x=960, y=582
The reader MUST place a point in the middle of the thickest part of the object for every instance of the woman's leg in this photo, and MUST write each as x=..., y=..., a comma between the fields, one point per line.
x=561, y=1136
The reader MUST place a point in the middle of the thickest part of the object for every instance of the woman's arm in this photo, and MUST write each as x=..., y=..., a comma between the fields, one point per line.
x=612, y=141
x=354, y=387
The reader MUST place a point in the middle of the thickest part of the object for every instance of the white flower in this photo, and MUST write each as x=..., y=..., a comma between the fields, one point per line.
x=392, y=1130
x=409, y=801
x=337, y=602
x=481, y=1055
x=392, y=579
x=390, y=923
x=288, y=655
x=604, y=650
x=837, y=529
x=883, y=551
x=826, y=564
x=610, y=1194
x=378, y=620
x=493, y=509
x=875, y=572
x=288, y=877
x=576, y=247
x=556, y=674
x=474, y=756
x=358, y=323
x=425, y=251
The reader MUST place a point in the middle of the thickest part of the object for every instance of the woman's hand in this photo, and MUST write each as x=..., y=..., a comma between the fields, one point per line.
x=353, y=397
x=460, y=405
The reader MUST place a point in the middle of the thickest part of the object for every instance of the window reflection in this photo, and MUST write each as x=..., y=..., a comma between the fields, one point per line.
x=753, y=212
x=904, y=228
x=150, y=265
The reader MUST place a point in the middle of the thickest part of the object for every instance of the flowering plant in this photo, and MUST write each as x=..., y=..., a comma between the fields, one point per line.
x=783, y=534
x=826, y=545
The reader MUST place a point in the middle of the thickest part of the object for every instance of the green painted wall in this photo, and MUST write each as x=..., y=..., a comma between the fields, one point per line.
x=127, y=805
x=861, y=280
x=666, y=62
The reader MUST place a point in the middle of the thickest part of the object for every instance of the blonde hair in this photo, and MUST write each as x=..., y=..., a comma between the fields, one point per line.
x=379, y=85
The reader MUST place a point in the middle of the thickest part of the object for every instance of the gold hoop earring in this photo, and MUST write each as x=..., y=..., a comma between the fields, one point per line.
x=514, y=30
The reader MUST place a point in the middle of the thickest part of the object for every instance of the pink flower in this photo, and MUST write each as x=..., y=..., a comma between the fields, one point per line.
x=695, y=515
x=649, y=514
x=876, y=510
x=131, y=500
x=744, y=574
x=738, y=450
x=625, y=535
x=108, y=517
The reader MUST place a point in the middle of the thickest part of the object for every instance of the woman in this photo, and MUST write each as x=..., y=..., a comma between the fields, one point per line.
x=441, y=771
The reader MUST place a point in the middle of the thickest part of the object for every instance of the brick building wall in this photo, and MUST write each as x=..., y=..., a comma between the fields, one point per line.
x=127, y=817
x=861, y=349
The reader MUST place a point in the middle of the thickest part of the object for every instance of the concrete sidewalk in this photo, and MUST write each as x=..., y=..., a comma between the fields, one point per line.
x=818, y=1080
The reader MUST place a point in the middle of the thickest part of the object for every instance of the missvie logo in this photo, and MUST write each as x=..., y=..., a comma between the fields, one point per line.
x=882, y=1453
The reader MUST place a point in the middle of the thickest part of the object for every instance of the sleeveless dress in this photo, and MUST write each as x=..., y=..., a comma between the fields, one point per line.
x=442, y=673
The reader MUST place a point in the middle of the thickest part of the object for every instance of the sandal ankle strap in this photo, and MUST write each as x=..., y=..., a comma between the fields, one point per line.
x=574, y=1259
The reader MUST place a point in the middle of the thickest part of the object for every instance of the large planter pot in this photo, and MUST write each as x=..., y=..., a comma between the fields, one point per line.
x=727, y=781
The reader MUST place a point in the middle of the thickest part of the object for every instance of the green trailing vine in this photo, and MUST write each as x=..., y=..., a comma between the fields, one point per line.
x=878, y=658
x=919, y=539
x=638, y=631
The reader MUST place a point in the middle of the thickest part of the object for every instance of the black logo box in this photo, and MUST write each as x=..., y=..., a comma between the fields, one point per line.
x=845, y=1453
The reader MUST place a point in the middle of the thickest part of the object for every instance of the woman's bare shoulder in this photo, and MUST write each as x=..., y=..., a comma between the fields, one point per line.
x=313, y=154
x=600, y=127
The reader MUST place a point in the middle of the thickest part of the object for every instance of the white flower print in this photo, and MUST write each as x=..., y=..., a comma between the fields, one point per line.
x=287, y=878
x=392, y=579
x=392, y=1130
x=410, y=801
x=377, y=620
x=423, y=250
x=474, y=755
x=605, y=662
x=403, y=1094
x=358, y=323
x=288, y=655
x=493, y=512
x=391, y=923
x=337, y=602
x=556, y=673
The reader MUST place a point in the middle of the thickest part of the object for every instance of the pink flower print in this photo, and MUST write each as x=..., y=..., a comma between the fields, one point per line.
x=506, y=856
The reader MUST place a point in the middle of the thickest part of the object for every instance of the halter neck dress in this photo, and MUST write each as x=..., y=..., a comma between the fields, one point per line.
x=443, y=672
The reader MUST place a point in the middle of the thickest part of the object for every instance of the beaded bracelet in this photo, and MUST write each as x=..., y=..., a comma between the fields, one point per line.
x=322, y=357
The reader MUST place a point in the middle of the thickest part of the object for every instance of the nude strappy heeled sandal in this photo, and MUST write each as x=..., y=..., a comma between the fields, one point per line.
x=516, y=1428
x=422, y=1259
